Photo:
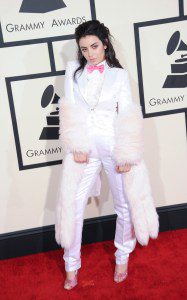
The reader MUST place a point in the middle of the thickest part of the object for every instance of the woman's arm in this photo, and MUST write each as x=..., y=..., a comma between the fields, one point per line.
x=73, y=129
x=68, y=83
x=128, y=126
x=125, y=94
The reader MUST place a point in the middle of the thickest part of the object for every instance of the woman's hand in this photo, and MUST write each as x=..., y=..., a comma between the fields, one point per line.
x=80, y=157
x=122, y=169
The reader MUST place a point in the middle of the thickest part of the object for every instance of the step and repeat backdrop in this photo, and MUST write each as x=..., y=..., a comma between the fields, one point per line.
x=33, y=98
x=36, y=41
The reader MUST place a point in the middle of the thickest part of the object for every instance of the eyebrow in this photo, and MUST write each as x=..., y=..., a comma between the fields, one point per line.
x=86, y=47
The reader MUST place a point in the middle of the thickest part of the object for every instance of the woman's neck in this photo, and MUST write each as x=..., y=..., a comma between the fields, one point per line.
x=101, y=62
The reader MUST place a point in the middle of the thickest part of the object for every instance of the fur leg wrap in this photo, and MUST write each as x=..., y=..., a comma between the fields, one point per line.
x=143, y=211
x=129, y=149
x=65, y=208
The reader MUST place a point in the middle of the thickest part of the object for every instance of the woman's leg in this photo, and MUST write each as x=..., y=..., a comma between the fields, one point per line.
x=72, y=256
x=125, y=240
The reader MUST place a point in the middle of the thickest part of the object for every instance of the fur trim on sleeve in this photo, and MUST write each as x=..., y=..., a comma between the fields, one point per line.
x=73, y=128
x=128, y=128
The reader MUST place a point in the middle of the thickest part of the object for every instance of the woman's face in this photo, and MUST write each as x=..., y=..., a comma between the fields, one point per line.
x=92, y=49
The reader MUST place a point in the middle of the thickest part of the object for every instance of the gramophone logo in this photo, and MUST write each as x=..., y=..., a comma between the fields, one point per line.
x=51, y=131
x=162, y=65
x=41, y=6
x=34, y=104
x=178, y=76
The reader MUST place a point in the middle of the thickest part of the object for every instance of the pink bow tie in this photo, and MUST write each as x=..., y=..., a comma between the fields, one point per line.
x=91, y=68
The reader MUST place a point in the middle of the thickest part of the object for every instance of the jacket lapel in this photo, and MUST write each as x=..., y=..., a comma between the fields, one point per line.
x=107, y=82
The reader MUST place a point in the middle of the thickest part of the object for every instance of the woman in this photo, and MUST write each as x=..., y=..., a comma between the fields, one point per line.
x=100, y=125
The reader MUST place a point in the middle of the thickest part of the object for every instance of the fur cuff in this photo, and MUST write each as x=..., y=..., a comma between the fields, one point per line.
x=128, y=128
x=73, y=127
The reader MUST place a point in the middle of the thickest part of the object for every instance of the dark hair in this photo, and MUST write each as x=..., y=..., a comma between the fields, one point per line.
x=94, y=27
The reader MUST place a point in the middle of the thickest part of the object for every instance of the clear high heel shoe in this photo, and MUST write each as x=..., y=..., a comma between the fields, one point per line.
x=71, y=283
x=120, y=276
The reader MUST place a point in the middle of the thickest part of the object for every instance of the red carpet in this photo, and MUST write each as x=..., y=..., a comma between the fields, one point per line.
x=157, y=271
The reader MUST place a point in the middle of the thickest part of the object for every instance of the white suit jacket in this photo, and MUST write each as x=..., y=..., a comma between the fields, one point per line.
x=116, y=88
x=115, y=94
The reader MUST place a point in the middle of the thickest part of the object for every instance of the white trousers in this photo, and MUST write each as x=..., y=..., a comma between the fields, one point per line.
x=125, y=240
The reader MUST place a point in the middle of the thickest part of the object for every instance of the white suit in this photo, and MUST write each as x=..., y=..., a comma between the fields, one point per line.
x=111, y=137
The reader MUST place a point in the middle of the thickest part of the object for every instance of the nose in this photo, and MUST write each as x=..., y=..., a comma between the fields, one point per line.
x=90, y=53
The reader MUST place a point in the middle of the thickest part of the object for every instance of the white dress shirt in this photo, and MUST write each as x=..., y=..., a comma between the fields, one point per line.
x=94, y=85
x=99, y=121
